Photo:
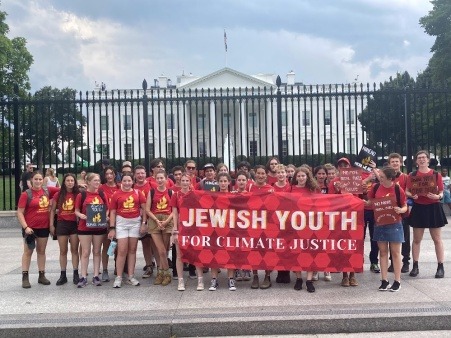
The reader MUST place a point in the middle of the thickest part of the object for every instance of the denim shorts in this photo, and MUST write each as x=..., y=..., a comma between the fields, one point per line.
x=389, y=233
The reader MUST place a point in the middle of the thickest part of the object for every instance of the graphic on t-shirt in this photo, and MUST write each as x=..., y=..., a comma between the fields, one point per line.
x=95, y=200
x=129, y=203
x=43, y=201
x=68, y=205
x=162, y=204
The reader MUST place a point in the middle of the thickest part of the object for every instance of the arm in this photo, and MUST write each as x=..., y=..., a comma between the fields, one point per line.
x=112, y=231
x=149, y=213
x=51, y=217
x=22, y=221
x=175, y=232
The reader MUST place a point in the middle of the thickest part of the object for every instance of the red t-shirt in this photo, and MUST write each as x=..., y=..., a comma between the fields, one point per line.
x=401, y=180
x=176, y=199
x=127, y=203
x=145, y=188
x=109, y=190
x=154, y=185
x=91, y=198
x=264, y=188
x=271, y=179
x=424, y=199
x=66, y=212
x=37, y=212
x=303, y=190
x=390, y=191
x=285, y=188
x=160, y=202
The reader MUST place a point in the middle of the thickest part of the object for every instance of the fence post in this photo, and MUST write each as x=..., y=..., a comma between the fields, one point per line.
x=408, y=134
x=17, y=164
x=146, y=126
x=279, y=120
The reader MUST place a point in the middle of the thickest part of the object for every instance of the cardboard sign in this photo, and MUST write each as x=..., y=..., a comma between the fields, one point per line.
x=384, y=213
x=422, y=185
x=351, y=180
x=96, y=216
x=366, y=155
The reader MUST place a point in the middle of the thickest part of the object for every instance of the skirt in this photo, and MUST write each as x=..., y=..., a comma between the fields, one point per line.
x=427, y=216
x=389, y=233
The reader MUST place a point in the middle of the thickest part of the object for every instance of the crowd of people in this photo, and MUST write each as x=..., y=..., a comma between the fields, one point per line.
x=130, y=206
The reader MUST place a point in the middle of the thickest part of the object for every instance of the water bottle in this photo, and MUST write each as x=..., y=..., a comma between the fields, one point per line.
x=112, y=248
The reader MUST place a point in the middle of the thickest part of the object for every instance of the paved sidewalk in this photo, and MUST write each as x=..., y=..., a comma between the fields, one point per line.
x=423, y=304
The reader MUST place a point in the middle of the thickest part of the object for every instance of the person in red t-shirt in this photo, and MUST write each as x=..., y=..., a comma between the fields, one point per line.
x=185, y=182
x=155, y=166
x=127, y=222
x=271, y=166
x=66, y=229
x=190, y=168
x=33, y=216
x=148, y=246
x=92, y=230
x=159, y=215
x=282, y=184
x=427, y=213
x=304, y=183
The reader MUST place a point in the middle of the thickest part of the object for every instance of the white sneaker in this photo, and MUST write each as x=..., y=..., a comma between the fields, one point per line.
x=181, y=286
x=117, y=282
x=133, y=281
x=200, y=284
x=327, y=276
x=232, y=286
x=315, y=275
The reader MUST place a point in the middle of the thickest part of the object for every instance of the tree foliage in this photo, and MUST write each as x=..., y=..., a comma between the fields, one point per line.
x=15, y=61
x=52, y=122
x=438, y=23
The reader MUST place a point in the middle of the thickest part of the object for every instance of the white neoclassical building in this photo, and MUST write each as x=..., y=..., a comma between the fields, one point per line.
x=200, y=116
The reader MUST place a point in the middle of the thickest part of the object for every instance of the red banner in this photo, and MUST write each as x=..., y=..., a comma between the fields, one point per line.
x=272, y=231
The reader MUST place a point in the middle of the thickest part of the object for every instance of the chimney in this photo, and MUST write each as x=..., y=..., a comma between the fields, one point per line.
x=290, y=78
x=163, y=81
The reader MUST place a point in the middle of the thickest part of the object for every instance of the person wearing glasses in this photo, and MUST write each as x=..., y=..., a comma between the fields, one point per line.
x=155, y=166
x=271, y=170
x=190, y=167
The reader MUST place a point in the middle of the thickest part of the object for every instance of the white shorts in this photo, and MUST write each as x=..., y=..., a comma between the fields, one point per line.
x=127, y=227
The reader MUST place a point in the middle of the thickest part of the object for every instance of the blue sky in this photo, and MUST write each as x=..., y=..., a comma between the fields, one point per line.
x=76, y=43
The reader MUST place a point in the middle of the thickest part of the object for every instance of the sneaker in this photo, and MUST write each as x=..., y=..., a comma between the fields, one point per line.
x=385, y=285
x=192, y=274
x=405, y=267
x=76, y=278
x=327, y=276
x=396, y=286
x=231, y=283
x=247, y=275
x=375, y=268
x=266, y=283
x=310, y=287
x=181, y=286
x=353, y=281
x=315, y=276
x=298, y=284
x=391, y=268
x=82, y=282
x=148, y=272
x=213, y=285
x=200, y=284
x=96, y=281
x=132, y=281
x=415, y=271
x=345, y=282
x=105, y=276
x=117, y=282
x=174, y=274
x=238, y=275
x=255, y=283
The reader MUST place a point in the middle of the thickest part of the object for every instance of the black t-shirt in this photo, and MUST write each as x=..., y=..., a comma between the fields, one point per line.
x=26, y=176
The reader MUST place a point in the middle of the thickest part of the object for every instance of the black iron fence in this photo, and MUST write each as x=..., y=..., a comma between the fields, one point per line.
x=300, y=124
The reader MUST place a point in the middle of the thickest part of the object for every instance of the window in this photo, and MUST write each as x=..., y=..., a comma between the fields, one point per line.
x=307, y=146
x=253, y=120
x=306, y=118
x=253, y=148
x=327, y=117
x=169, y=121
x=284, y=118
x=127, y=122
x=201, y=121
x=170, y=150
x=350, y=145
x=284, y=147
x=350, y=116
x=128, y=151
x=202, y=149
x=328, y=146
x=151, y=150
x=104, y=123
x=103, y=149
x=150, y=122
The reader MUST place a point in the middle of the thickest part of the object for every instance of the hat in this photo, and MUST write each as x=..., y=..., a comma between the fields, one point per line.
x=30, y=240
x=126, y=164
x=344, y=159
x=208, y=166
x=106, y=161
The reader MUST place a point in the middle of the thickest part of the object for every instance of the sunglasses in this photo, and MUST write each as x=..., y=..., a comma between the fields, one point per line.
x=191, y=168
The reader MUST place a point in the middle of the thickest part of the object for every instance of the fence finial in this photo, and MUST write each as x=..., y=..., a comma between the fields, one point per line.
x=144, y=85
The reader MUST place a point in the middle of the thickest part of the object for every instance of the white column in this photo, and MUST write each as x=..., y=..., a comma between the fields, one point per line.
x=186, y=131
x=212, y=135
x=243, y=131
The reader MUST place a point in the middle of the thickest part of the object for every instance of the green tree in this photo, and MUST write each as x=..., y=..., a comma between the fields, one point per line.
x=438, y=23
x=52, y=122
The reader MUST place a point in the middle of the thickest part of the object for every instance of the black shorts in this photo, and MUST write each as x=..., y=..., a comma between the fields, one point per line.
x=40, y=233
x=92, y=232
x=66, y=228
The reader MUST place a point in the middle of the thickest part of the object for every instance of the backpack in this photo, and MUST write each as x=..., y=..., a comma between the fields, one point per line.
x=152, y=193
x=398, y=197
x=30, y=195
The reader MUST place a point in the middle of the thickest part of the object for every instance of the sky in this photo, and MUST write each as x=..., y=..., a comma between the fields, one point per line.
x=78, y=43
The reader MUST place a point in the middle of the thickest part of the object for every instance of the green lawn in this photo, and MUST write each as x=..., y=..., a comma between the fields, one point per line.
x=7, y=193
